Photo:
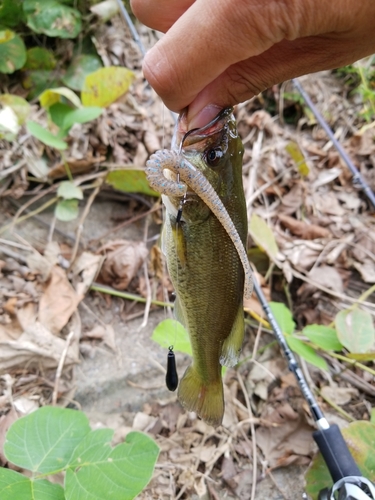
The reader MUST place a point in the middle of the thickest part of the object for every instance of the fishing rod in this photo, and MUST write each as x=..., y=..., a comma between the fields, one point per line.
x=349, y=484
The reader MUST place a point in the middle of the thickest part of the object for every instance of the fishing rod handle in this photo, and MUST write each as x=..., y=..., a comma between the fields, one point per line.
x=336, y=453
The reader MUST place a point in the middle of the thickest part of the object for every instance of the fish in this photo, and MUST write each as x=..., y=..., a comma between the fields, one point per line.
x=204, y=240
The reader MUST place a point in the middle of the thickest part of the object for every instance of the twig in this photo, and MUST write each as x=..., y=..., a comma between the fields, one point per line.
x=252, y=428
x=126, y=223
x=16, y=245
x=14, y=255
x=60, y=367
x=352, y=362
x=254, y=170
x=29, y=214
x=339, y=410
x=271, y=476
x=51, y=189
x=85, y=213
x=341, y=296
x=13, y=168
x=97, y=287
x=148, y=286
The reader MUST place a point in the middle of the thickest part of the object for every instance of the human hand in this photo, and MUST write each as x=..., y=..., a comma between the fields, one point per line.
x=217, y=53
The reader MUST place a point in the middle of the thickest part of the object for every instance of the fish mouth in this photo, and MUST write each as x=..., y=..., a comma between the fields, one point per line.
x=184, y=139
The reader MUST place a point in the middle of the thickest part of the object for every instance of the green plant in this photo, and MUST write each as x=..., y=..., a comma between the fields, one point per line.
x=360, y=77
x=53, y=440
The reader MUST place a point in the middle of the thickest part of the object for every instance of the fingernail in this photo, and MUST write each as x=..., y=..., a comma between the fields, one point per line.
x=200, y=118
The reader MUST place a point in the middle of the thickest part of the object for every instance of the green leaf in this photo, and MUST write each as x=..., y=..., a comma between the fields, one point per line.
x=81, y=115
x=19, y=105
x=66, y=210
x=130, y=181
x=44, y=441
x=323, y=336
x=57, y=113
x=40, y=58
x=15, y=486
x=105, y=10
x=81, y=66
x=12, y=52
x=306, y=352
x=52, y=96
x=11, y=13
x=171, y=332
x=94, y=447
x=295, y=152
x=263, y=236
x=283, y=317
x=69, y=191
x=45, y=136
x=9, y=126
x=106, y=85
x=355, y=330
x=360, y=438
x=38, y=80
x=65, y=117
x=52, y=18
x=116, y=473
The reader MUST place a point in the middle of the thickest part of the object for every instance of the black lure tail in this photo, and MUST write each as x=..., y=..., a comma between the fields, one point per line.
x=171, y=378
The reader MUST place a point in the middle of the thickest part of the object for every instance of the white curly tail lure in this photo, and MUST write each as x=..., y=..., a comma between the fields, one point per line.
x=174, y=161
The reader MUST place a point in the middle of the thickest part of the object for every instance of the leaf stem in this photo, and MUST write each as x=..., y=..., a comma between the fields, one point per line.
x=352, y=362
x=128, y=296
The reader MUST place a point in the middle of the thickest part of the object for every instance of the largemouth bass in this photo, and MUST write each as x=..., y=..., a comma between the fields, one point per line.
x=203, y=238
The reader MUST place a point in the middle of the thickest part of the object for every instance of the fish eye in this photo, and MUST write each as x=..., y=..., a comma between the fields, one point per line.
x=213, y=156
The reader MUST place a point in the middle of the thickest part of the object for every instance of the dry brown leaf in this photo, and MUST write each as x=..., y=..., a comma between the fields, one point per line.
x=85, y=269
x=58, y=301
x=327, y=277
x=140, y=156
x=5, y=422
x=339, y=395
x=105, y=333
x=151, y=141
x=293, y=200
x=289, y=441
x=36, y=347
x=303, y=229
x=123, y=259
x=364, y=143
x=366, y=270
x=327, y=203
x=302, y=254
x=76, y=166
x=38, y=264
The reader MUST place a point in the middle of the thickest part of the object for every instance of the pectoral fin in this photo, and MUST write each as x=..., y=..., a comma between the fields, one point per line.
x=180, y=243
x=231, y=349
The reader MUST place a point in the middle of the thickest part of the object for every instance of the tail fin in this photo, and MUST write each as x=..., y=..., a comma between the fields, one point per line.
x=206, y=400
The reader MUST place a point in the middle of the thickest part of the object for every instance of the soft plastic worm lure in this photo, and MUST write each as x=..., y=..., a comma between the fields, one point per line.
x=171, y=160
